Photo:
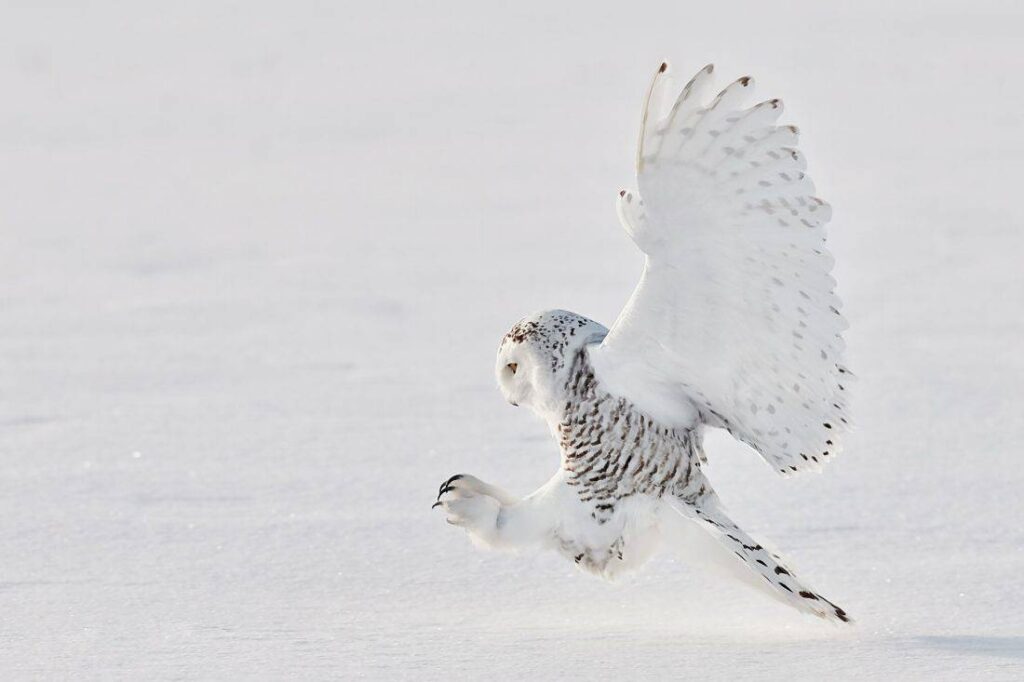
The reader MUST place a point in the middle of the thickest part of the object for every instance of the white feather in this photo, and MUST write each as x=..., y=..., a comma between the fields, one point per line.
x=735, y=312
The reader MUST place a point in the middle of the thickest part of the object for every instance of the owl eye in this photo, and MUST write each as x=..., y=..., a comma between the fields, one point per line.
x=512, y=367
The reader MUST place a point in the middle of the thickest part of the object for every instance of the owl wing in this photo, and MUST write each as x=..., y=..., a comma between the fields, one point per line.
x=735, y=309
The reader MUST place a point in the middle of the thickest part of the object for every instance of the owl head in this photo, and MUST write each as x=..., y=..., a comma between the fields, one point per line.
x=536, y=355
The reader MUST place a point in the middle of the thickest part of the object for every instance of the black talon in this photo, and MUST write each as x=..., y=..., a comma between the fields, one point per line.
x=436, y=504
x=446, y=486
x=440, y=491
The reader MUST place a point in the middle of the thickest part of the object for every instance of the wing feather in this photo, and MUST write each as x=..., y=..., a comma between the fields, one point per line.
x=736, y=310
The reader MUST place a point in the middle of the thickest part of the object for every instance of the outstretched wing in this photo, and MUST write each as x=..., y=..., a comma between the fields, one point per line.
x=735, y=309
x=705, y=536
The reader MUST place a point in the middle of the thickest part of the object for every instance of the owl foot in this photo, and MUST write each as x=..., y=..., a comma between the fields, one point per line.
x=472, y=504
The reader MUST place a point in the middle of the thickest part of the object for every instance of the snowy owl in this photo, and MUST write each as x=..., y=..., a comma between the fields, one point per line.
x=734, y=325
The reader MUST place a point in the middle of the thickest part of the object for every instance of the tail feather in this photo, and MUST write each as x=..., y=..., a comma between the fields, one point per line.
x=704, y=527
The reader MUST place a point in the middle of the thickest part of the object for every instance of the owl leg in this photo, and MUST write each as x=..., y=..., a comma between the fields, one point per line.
x=491, y=516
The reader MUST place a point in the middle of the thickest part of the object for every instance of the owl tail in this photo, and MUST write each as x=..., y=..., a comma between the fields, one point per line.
x=705, y=535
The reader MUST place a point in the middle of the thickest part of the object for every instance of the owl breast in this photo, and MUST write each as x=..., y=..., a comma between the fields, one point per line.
x=612, y=451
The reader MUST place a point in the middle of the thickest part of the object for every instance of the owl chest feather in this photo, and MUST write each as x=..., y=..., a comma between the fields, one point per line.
x=611, y=451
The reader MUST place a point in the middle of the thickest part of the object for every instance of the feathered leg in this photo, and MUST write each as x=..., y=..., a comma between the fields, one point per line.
x=492, y=517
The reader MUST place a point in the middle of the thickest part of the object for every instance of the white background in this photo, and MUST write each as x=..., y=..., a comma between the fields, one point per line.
x=255, y=263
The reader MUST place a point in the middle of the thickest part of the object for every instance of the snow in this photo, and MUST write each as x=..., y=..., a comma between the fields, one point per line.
x=255, y=263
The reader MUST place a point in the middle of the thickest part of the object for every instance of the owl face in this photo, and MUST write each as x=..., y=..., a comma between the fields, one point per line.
x=536, y=354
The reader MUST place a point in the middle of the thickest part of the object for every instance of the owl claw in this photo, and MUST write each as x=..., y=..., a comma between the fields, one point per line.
x=474, y=506
x=470, y=503
x=446, y=486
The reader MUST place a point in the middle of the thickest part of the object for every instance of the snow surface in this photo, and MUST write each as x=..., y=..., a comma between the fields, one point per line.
x=255, y=263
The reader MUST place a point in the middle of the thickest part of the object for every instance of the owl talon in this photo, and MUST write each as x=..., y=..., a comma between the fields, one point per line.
x=471, y=504
x=446, y=485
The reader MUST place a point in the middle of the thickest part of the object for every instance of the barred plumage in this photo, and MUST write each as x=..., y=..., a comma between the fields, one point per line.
x=611, y=451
